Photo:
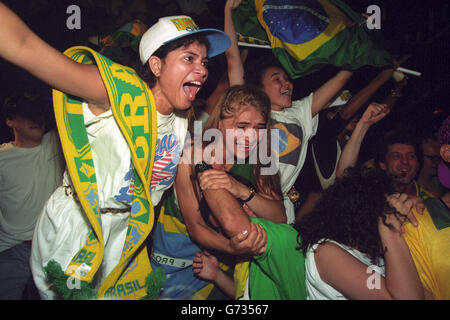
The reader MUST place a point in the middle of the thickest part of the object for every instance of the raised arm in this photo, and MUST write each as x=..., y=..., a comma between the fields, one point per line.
x=234, y=62
x=362, y=96
x=20, y=46
x=349, y=156
x=328, y=90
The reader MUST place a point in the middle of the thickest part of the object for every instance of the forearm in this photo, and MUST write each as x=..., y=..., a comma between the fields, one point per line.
x=329, y=90
x=14, y=35
x=402, y=280
x=234, y=63
x=349, y=155
x=269, y=209
x=225, y=283
x=208, y=238
x=20, y=46
x=214, y=97
x=227, y=211
x=364, y=94
x=393, y=96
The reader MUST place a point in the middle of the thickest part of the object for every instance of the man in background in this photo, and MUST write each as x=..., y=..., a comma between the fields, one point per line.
x=31, y=167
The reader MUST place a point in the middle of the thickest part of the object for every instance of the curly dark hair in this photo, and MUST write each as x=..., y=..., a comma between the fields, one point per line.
x=348, y=213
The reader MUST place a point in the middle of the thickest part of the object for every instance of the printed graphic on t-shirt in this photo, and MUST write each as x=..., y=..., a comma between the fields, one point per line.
x=167, y=158
x=126, y=192
x=291, y=137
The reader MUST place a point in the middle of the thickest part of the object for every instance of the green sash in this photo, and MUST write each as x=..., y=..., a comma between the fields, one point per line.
x=134, y=110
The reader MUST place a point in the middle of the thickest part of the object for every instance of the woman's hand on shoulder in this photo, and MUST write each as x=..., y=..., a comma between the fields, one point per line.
x=404, y=205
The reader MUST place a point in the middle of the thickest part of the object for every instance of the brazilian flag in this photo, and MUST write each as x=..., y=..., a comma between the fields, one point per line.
x=306, y=35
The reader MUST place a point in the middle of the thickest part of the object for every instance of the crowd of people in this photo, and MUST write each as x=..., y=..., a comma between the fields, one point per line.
x=263, y=198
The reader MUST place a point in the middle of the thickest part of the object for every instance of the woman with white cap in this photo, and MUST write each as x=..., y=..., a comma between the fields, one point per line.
x=122, y=142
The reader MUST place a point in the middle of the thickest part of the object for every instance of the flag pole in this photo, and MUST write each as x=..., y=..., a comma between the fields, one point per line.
x=254, y=45
x=408, y=71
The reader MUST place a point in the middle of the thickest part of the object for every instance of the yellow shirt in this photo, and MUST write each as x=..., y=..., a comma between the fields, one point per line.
x=429, y=245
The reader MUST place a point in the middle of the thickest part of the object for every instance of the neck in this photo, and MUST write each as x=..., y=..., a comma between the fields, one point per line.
x=406, y=188
x=26, y=143
x=163, y=106
x=276, y=108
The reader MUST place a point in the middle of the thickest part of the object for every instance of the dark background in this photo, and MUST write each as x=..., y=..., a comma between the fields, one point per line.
x=415, y=31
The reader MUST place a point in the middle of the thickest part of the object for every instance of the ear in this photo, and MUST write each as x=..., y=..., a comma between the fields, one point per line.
x=445, y=152
x=382, y=166
x=10, y=123
x=155, y=64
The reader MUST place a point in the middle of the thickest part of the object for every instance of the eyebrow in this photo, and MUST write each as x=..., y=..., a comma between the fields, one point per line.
x=247, y=122
x=400, y=153
x=277, y=73
x=196, y=55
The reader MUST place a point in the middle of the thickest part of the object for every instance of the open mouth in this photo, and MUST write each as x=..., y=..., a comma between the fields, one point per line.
x=191, y=89
x=285, y=92
x=404, y=173
x=246, y=146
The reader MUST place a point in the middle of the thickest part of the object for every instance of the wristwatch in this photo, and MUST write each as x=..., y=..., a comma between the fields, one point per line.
x=202, y=166
x=250, y=197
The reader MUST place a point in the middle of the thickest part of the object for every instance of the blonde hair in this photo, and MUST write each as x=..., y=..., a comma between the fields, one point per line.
x=231, y=104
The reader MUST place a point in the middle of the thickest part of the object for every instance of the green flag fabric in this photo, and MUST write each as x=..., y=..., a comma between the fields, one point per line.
x=306, y=35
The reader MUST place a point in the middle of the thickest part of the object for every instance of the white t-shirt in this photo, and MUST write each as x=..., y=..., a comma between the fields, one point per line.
x=112, y=157
x=28, y=176
x=172, y=131
x=62, y=229
x=317, y=289
x=297, y=126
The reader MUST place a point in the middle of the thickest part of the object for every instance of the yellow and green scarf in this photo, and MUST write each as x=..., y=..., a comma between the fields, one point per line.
x=133, y=107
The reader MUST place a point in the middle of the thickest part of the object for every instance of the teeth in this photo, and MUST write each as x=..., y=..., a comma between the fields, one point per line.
x=197, y=83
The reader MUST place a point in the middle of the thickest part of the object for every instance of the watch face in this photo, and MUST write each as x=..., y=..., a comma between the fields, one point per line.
x=202, y=166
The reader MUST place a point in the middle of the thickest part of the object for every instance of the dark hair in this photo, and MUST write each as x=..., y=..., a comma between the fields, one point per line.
x=28, y=105
x=398, y=137
x=255, y=69
x=348, y=213
x=144, y=71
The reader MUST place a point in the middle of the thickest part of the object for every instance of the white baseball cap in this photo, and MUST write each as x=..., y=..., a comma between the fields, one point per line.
x=171, y=28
